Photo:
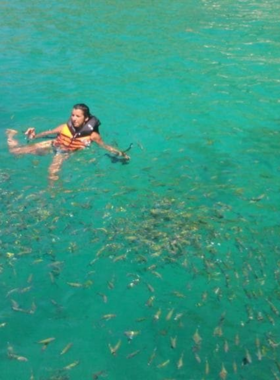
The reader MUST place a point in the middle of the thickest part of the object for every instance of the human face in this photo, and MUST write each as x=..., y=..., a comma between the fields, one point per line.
x=78, y=118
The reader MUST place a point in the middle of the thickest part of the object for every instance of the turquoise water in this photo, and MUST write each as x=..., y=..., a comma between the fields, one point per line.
x=180, y=246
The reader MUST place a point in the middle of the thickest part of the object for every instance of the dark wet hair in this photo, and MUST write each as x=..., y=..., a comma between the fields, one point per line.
x=84, y=108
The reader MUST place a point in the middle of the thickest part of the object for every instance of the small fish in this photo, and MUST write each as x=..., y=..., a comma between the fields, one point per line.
x=163, y=364
x=222, y=318
x=247, y=358
x=178, y=316
x=120, y=258
x=46, y=341
x=271, y=320
x=157, y=315
x=151, y=289
x=131, y=334
x=33, y=308
x=11, y=292
x=37, y=261
x=87, y=284
x=273, y=307
x=158, y=275
x=18, y=357
x=96, y=375
x=129, y=356
x=150, y=301
x=141, y=259
x=169, y=315
x=272, y=343
x=249, y=313
x=10, y=349
x=257, y=199
x=114, y=349
x=173, y=342
x=52, y=278
x=178, y=294
x=207, y=368
x=275, y=375
x=259, y=354
x=21, y=358
x=140, y=145
x=141, y=319
x=111, y=284
x=180, y=362
x=100, y=251
x=72, y=365
x=237, y=340
x=15, y=305
x=66, y=348
x=223, y=373
x=25, y=290
x=226, y=346
x=197, y=357
x=93, y=261
x=217, y=348
x=108, y=316
x=204, y=296
x=197, y=338
x=133, y=283
x=278, y=365
x=152, y=357
x=104, y=297
x=75, y=284
x=102, y=229
x=218, y=331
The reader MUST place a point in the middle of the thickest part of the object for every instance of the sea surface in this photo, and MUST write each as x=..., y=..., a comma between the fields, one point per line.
x=166, y=267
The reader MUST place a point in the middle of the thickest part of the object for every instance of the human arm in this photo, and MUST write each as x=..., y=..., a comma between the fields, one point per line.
x=95, y=137
x=31, y=134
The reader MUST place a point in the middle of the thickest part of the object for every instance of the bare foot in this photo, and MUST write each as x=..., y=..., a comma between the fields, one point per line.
x=11, y=132
x=12, y=142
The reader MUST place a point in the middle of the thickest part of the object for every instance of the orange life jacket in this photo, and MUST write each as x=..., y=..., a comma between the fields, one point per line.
x=69, y=142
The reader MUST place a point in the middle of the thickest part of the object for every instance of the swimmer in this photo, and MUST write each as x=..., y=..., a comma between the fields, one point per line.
x=78, y=133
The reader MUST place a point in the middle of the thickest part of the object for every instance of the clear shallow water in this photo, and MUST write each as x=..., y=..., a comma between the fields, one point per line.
x=192, y=221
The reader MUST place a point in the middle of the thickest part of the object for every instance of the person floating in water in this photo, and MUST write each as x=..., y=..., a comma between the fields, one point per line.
x=78, y=133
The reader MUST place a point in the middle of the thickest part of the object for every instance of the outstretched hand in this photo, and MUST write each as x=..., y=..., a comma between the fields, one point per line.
x=30, y=133
x=124, y=156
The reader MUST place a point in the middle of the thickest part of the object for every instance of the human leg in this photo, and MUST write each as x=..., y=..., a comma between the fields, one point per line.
x=56, y=164
x=12, y=142
x=40, y=148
